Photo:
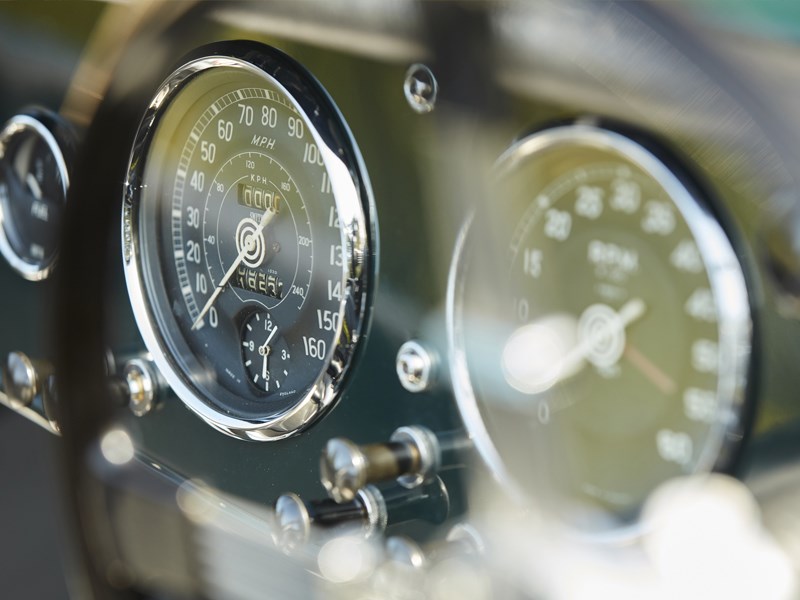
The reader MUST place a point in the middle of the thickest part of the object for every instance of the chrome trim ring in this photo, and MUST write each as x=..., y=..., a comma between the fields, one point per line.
x=14, y=126
x=726, y=279
x=357, y=230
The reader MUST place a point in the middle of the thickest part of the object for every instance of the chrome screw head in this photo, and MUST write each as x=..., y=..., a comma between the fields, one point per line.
x=420, y=88
x=415, y=367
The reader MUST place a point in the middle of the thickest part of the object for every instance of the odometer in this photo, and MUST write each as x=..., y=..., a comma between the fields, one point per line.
x=618, y=344
x=246, y=217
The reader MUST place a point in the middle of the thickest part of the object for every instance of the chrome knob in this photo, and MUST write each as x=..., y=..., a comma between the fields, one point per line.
x=413, y=455
x=370, y=512
x=140, y=381
x=346, y=468
x=22, y=378
x=294, y=517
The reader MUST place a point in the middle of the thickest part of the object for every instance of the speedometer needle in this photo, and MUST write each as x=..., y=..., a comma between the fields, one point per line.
x=265, y=219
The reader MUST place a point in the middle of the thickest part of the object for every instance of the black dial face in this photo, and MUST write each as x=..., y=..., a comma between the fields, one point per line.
x=608, y=370
x=33, y=184
x=265, y=353
x=242, y=254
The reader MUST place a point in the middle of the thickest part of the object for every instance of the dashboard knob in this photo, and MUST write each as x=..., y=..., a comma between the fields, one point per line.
x=140, y=381
x=461, y=541
x=22, y=378
x=294, y=516
x=346, y=467
x=413, y=454
x=404, y=551
x=371, y=511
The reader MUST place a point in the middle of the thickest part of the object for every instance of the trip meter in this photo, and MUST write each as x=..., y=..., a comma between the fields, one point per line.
x=247, y=240
x=613, y=351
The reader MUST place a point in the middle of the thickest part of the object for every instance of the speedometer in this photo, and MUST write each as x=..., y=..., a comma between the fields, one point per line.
x=247, y=240
x=612, y=353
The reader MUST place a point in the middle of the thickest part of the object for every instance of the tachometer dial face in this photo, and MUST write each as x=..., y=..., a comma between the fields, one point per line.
x=246, y=217
x=614, y=358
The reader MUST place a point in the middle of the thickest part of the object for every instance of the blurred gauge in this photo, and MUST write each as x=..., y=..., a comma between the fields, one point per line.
x=612, y=353
x=35, y=153
x=246, y=240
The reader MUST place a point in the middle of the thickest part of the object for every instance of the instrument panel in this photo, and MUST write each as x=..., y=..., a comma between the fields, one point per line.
x=472, y=304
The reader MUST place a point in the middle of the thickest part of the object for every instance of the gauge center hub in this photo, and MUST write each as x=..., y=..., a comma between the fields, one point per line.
x=250, y=243
x=602, y=332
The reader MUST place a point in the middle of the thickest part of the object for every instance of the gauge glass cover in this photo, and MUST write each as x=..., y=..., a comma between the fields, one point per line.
x=33, y=191
x=611, y=354
x=246, y=241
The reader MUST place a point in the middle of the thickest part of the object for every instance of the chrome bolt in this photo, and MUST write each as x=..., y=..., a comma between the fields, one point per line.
x=293, y=523
x=141, y=384
x=420, y=88
x=22, y=378
x=415, y=366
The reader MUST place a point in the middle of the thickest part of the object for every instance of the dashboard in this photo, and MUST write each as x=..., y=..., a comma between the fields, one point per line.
x=408, y=299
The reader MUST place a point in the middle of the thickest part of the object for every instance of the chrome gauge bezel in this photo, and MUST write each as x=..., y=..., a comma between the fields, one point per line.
x=15, y=126
x=726, y=277
x=355, y=208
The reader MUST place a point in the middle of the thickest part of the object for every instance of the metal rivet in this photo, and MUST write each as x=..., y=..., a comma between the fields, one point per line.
x=141, y=386
x=420, y=88
x=22, y=378
x=415, y=367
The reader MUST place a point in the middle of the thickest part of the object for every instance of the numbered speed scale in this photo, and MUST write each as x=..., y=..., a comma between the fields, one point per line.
x=248, y=240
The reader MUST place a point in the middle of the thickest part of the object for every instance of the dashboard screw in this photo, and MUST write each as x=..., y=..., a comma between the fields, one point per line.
x=23, y=377
x=415, y=366
x=420, y=88
x=141, y=383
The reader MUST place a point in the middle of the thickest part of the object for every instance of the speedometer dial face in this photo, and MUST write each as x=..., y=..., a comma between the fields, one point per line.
x=616, y=355
x=246, y=241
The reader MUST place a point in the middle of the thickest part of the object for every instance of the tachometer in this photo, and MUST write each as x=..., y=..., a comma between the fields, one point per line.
x=612, y=353
x=247, y=240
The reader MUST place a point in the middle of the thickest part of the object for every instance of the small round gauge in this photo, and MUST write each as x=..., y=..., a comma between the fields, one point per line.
x=247, y=240
x=265, y=353
x=612, y=352
x=35, y=152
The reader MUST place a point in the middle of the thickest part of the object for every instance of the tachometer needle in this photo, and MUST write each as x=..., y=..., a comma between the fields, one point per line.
x=540, y=354
x=650, y=370
x=633, y=310
x=265, y=219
